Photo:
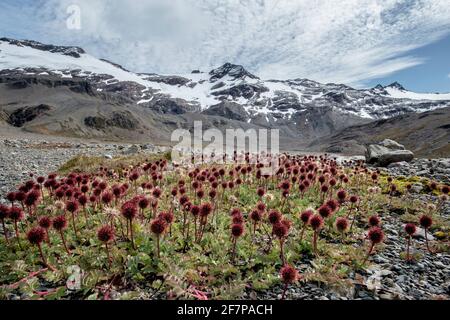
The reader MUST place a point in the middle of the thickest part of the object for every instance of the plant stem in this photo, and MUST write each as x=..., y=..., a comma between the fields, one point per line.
x=5, y=231
x=64, y=241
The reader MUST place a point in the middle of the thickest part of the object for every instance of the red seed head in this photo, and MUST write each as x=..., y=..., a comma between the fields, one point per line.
x=36, y=235
x=158, y=226
x=105, y=234
x=256, y=215
x=445, y=189
x=206, y=209
x=261, y=206
x=32, y=198
x=324, y=211
x=341, y=224
x=11, y=196
x=332, y=204
x=72, y=206
x=376, y=235
x=316, y=222
x=260, y=192
x=306, y=215
x=16, y=213
x=59, y=223
x=274, y=217
x=237, y=230
x=324, y=188
x=4, y=212
x=238, y=219
x=410, y=228
x=107, y=197
x=143, y=203
x=235, y=211
x=354, y=199
x=195, y=210
x=342, y=195
x=45, y=222
x=280, y=230
x=425, y=221
x=288, y=274
x=374, y=221
x=167, y=216
x=157, y=192
x=129, y=210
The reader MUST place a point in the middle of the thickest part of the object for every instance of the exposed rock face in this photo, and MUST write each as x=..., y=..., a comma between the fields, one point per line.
x=68, y=51
x=387, y=152
x=123, y=120
x=23, y=115
x=228, y=110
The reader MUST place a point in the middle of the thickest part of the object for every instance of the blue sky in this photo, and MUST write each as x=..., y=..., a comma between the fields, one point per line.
x=356, y=42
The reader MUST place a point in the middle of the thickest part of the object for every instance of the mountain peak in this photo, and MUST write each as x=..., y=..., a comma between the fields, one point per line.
x=233, y=70
x=75, y=52
x=396, y=85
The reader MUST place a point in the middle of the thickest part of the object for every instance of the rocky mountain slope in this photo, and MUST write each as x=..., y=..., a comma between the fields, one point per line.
x=65, y=91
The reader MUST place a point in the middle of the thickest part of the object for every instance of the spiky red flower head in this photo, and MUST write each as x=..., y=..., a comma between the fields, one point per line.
x=134, y=176
x=212, y=194
x=184, y=200
x=325, y=211
x=374, y=221
x=389, y=179
x=205, y=209
x=324, y=188
x=11, y=196
x=260, y=192
x=285, y=185
x=274, y=217
x=288, y=274
x=376, y=235
x=374, y=176
x=16, y=213
x=306, y=215
x=129, y=210
x=322, y=179
x=200, y=193
x=195, y=210
x=332, y=204
x=393, y=188
x=433, y=185
x=256, y=215
x=107, y=197
x=59, y=223
x=32, y=198
x=105, y=234
x=72, y=206
x=410, y=228
x=354, y=199
x=342, y=195
x=425, y=221
x=36, y=235
x=4, y=212
x=235, y=212
x=280, y=230
x=45, y=222
x=341, y=224
x=261, y=207
x=158, y=226
x=156, y=192
x=40, y=180
x=238, y=219
x=143, y=203
x=237, y=230
x=167, y=216
x=445, y=189
x=316, y=222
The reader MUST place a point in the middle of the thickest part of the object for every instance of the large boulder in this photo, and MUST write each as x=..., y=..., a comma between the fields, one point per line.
x=387, y=152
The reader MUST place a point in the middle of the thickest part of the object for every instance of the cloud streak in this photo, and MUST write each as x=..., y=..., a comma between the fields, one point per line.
x=342, y=41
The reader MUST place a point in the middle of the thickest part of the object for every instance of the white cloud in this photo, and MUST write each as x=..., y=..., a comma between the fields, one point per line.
x=342, y=41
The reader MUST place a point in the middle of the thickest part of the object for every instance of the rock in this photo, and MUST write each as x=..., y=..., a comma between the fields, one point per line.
x=400, y=164
x=132, y=150
x=391, y=144
x=108, y=156
x=387, y=152
x=420, y=234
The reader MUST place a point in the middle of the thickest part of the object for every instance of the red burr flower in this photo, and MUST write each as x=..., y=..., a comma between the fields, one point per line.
x=105, y=234
x=36, y=235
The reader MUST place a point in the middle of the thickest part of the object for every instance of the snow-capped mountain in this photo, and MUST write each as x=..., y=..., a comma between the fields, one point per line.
x=301, y=107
